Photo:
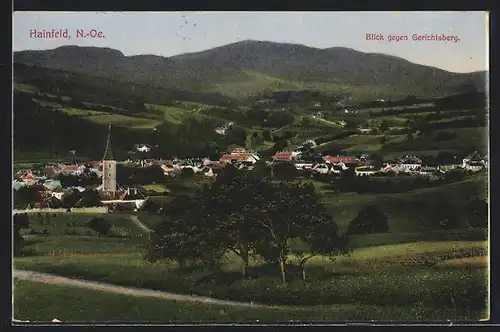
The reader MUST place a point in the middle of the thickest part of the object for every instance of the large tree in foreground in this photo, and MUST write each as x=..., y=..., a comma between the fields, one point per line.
x=245, y=214
x=231, y=204
x=293, y=211
x=184, y=235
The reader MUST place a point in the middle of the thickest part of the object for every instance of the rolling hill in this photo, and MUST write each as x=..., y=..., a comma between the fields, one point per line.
x=257, y=66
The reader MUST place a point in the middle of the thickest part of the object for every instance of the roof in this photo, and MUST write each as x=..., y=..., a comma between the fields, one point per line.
x=71, y=168
x=411, y=161
x=51, y=184
x=283, y=156
x=237, y=157
x=28, y=176
x=340, y=159
x=232, y=147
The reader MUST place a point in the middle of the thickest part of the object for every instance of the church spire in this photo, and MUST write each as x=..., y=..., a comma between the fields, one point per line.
x=108, y=155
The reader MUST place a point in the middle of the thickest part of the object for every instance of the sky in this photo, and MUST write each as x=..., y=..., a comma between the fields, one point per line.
x=172, y=33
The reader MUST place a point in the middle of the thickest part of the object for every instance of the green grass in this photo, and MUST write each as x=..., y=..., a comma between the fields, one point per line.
x=74, y=245
x=168, y=113
x=384, y=275
x=25, y=87
x=370, y=240
x=466, y=138
x=103, y=117
x=39, y=302
x=159, y=188
x=408, y=107
x=59, y=223
x=123, y=121
x=406, y=212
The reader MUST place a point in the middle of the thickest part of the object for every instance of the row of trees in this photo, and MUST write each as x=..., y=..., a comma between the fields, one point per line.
x=247, y=213
x=29, y=195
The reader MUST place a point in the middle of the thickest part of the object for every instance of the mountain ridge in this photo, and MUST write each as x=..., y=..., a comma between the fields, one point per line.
x=327, y=68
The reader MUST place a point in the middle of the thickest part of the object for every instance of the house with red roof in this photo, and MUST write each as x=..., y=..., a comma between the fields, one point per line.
x=239, y=157
x=282, y=156
x=342, y=160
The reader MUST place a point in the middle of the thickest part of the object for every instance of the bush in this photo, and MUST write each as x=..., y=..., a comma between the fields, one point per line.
x=100, y=225
x=187, y=172
x=477, y=213
x=285, y=171
x=369, y=220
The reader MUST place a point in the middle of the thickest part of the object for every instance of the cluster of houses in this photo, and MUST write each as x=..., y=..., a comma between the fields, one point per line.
x=52, y=191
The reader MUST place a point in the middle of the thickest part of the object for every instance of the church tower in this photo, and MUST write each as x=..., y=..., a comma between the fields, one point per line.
x=109, y=169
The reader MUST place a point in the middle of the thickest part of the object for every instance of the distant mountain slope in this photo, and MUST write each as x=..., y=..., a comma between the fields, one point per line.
x=259, y=65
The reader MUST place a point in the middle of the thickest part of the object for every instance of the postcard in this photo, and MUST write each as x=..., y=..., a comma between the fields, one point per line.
x=250, y=167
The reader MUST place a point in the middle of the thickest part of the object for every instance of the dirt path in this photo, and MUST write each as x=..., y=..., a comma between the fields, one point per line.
x=139, y=224
x=57, y=280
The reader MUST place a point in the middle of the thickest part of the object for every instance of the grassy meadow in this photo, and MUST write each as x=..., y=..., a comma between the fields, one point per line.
x=35, y=302
x=401, y=208
x=398, y=279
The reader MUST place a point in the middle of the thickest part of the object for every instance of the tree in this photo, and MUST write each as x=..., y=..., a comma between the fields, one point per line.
x=308, y=153
x=288, y=211
x=250, y=142
x=266, y=135
x=236, y=135
x=100, y=226
x=20, y=221
x=369, y=220
x=377, y=160
x=445, y=157
x=477, y=213
x=232, y=203
x=285, y=171
x=261, y=170
x=383, y=127
x=187, y=172
x=185, y=233
x=70, y=198
x=90, y=198
x=349, y=174
x=322, y=240
x=25, y=196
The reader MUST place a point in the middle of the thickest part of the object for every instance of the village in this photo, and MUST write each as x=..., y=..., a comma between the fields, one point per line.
x=100, y=176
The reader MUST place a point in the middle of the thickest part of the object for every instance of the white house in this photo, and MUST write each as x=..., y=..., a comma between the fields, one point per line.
x=428, y=171
x=409, y=164
x=474, y=166
x=143, y=148
x=57, y=195
x=222, y=129
x=365, y=171
x=364, y=130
